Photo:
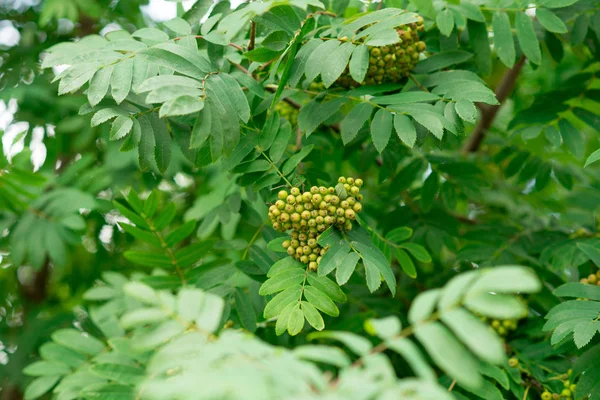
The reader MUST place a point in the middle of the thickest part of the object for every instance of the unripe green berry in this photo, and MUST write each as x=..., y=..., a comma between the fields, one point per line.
x=316, y=199
x=320, y=257
x=291, y=251
x=308, y=206
x=280, y=204
x=277, y=226
x=329, y=220
x=322, y=213
x=299, y=208
x=339, y=212
x=282, y=195
x=276, y=212
x=350, y=214
x=291, y=199
x=312, y=222
x=347, y=187
x=327, y=198
x=306, y=197
x=357, y=207
x=555, y=396
x=286, y=244
x=323, y=190
x=323, y=205
x=319, y=219
x=295, y=191
x=331, y=210
x=354, y=190
x=573, y=387
x=302, y=223
x=344, y=204
x=302, y=236
x=351, y=200
x=350, y=181
x=314, y=190
x=305, y=215
x=513, y=362
x=566, y=393
x=546, y=396
x=340, y=220
x=335, y=200
x=295, y=217
x=341, y=179
x=312, y=243
x=306, y=250
x=299, y=251
x=294, y=235
x=284, y=217
x=331, y=190
x=312, y=266
x=304, y=259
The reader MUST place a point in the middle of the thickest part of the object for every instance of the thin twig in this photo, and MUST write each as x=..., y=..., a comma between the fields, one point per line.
x=252, y=36
x=452, y=385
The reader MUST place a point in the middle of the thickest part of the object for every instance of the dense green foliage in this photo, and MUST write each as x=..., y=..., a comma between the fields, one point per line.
x=193, y=231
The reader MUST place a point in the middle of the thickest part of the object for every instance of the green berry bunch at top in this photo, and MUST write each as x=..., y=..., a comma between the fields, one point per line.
x=389, y=64
x=318, y=209
x=288, y=112
x=592, y=279
x=503, y=327
x=309, y=213
x=566, y=394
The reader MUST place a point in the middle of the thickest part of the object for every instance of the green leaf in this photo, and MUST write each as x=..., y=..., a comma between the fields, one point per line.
x=423, y=306
x=324, y=354
x=411, y=353
x=405, y=129
x=584, y=332
x=313, y=316
x=295, y=321
x=417, y=251
x=262, y=54
x=319, y=58
x=475, y=334
x=355, y=120
x=406, y=98
x=179, y=26
x=321, y=301
x=313, y=114
x=294, y=160
x=557, y=3
x=449, y=354
x=385, y=328
x=381, y=129
x=579, y=290
x=162, y=138
x=143, y=316
x=478, y=37
x=445, y=22
x=46, y=368
x=120, y=81
x=359, y=63
x=399, y=234
x=425, y=8
x=281, y=301
x=40, y=386
x=550, y=21
x=467, y=110
x=592, y=252
x=580, y=29
x=336, y=63
x=124, y=374
x=180, y=233
x=506, y=279
x=78, y=341
x=357, y=344
x=346, y=267
x=429, y=190
x=327, y=286
x=383, y=38
x=442, y=60
x=282, y=280
x=572, y=138
x=504, y=43
x=181, y=105
x=53, y=352
x=405, y=262
x=373, y=256
x=245, y=310
x=102, y=391
x=99, y=85
x=527, y=38
x=595, y=156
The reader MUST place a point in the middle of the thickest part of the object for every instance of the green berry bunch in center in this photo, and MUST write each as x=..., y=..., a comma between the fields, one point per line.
x=309, y=213
x=391, y=63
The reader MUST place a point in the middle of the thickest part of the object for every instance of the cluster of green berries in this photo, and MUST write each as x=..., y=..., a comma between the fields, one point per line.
x=566, y=394
x=288, y=112
x=393, y=62
x=304, y=248
x=310, y=213
x=592, y=279
x=503, y=327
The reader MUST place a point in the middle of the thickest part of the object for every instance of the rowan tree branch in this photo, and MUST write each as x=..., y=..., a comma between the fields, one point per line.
x=488, y=112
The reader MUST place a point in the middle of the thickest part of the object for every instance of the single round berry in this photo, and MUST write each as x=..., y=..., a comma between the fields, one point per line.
x=286, y=244
x=295, y=243
x=350, y=181
x=323, y=190
x=566, y=393
x=354, y=189
x=294, y=235
x=276, y=212
x=289, y=208
x=344, y=204
x=341, y=179
x=302, y=237
x=546, y=395
x=312, y=222
x=304, y=259
x=357, y=207
x=592, y=279
x=312, y=257
x=347, y=187
x=513, y=362
x=358, y=182
x=295, y=217
x=291, y=251
x=284, y=217
x=340, y=212
x=331, y=190
x=280, y=204
x=299, y=208
x=350, y=214
x=317, y=198
x=295, y=191
x=320, y=219
x=282, y=195
x=334, y=200
x=306, y=196
x=312, y=266
x=291, y=199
